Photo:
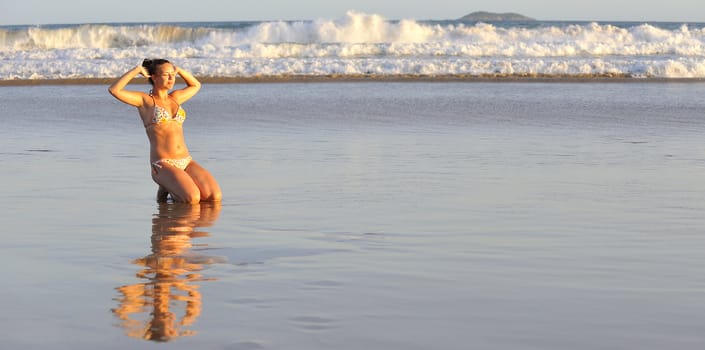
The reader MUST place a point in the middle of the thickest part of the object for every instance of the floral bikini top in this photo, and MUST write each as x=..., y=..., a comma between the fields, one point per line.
x=162, y=115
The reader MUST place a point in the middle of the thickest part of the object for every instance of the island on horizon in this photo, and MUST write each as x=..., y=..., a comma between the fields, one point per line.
x=495, y=17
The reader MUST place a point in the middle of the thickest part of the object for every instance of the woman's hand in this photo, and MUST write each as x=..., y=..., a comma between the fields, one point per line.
x=143, y=70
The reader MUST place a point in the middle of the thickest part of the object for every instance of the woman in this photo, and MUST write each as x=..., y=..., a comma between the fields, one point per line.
x=173, y=169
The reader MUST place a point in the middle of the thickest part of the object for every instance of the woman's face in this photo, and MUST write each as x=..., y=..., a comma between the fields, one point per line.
x=165, y=76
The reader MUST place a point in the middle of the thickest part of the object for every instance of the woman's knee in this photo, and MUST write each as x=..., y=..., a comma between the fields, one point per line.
x=216, y=196
x=191, y=198
x=213, y=193
x=210, y=191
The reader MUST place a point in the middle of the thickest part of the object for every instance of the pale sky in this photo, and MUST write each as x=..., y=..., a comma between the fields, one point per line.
x=96, y=11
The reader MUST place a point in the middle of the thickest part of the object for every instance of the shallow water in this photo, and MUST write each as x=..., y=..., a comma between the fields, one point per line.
x=376, y=215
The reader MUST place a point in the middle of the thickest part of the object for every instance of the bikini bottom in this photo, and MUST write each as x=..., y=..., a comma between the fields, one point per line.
x=179, y=163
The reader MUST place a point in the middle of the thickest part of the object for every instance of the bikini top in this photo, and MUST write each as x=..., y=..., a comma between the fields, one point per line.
x=162, y=115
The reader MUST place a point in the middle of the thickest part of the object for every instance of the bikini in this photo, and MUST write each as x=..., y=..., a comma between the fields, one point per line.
x=162, y=115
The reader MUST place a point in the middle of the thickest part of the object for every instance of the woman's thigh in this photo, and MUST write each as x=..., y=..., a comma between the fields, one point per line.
x=177, y=182
x=208, y=186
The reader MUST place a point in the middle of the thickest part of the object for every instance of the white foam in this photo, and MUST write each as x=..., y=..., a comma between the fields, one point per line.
x=355, y=44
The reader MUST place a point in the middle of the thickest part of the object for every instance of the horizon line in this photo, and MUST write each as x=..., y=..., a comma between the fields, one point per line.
x=314, y=19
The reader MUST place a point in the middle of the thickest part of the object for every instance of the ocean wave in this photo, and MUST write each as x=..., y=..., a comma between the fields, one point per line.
x=97, y=37
x=357, y=43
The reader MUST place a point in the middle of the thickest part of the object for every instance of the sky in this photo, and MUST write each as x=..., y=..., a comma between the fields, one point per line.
x=33, y=12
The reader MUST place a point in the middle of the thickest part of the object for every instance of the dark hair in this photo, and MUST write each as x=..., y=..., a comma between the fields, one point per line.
x=151, y=64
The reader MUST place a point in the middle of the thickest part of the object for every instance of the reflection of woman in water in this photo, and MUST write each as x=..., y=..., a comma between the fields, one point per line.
x=170, y=271
x=173, y=169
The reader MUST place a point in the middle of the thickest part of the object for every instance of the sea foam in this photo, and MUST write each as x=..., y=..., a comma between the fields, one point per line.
x=357, y=44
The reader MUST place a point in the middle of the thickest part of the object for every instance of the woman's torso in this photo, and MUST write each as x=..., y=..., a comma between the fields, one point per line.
x=163, y=125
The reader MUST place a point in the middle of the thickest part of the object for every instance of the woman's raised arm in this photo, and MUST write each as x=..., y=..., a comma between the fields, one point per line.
x=132, y=98
x=192, y=86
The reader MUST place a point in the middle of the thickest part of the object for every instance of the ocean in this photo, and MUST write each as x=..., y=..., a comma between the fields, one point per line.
x=359, y=44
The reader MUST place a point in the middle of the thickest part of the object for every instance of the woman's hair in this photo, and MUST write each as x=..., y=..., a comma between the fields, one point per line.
x=152, y=64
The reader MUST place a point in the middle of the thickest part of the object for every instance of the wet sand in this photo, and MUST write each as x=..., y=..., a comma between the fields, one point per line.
x=377, y=215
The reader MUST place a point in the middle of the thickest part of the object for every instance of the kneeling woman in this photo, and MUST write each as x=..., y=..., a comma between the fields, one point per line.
x=173, y=169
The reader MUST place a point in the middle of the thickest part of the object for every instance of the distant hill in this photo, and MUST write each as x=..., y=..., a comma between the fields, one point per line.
x=495, y=17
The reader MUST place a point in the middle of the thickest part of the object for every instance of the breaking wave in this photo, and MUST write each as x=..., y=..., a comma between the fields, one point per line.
x=357, y=43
